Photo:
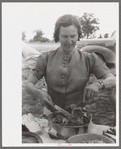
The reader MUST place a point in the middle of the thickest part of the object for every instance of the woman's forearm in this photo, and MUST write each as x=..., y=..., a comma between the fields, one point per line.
x=40, y=95
x=33, y=91
x=109, y=81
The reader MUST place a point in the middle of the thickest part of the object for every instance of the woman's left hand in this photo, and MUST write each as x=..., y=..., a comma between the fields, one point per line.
x=91, y=91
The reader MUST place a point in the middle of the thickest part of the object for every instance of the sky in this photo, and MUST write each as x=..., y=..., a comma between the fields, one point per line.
x=44, y=15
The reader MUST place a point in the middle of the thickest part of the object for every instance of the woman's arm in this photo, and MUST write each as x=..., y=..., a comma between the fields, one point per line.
x=108, y=81
x=36, y=93
x=31, y=88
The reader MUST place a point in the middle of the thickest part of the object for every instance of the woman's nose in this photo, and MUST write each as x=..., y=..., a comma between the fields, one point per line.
x=69, y=41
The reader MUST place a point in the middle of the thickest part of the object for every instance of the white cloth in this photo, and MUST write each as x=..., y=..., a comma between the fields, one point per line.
x=37, y=125
x=29, y=121
x=29, y=56
x=29, y=52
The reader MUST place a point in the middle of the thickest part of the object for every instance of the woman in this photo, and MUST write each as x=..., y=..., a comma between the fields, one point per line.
x=67, y=70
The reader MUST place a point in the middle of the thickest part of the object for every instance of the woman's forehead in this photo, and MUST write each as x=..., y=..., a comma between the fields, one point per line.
x=68, y=29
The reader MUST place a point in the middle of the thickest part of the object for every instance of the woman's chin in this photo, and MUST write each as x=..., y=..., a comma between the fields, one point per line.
x=69, y=48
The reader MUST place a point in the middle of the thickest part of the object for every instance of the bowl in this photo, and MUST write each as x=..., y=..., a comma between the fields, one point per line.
x=89, y=138
x=65, y=132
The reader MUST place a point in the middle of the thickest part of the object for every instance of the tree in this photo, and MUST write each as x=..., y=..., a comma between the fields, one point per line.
x=23, y=36
x=89, y=24
x=31, y=40
x=106, y=35
x=38, y=35
x=44, y=39
x=100, y=36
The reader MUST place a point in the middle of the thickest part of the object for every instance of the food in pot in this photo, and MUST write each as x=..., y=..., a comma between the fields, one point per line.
x=76, y=116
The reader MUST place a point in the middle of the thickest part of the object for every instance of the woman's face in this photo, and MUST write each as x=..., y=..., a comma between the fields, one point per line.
x=68, y=37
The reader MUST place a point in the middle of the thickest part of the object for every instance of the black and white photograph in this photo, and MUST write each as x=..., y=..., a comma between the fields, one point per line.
x=62, y=76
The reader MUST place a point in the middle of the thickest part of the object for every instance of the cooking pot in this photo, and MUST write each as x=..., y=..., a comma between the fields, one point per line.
x=65, y=132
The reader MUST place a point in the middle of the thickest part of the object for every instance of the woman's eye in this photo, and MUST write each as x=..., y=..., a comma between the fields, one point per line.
x=73, y=36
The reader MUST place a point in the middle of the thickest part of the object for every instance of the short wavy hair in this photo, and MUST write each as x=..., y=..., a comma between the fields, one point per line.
x=66, y=20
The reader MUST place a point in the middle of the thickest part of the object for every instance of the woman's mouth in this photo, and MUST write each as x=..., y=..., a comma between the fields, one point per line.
x=70, y=45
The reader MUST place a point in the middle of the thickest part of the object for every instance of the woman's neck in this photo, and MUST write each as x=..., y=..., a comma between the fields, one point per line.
x=66, y=52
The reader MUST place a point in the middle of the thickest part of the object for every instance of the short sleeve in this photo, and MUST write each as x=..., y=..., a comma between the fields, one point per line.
x=98, y=66
x=40, y=68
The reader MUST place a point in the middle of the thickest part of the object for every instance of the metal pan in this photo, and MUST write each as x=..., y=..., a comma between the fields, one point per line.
x=68, y=131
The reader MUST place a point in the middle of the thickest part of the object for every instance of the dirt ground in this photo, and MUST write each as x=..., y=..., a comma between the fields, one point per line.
x=101, y=108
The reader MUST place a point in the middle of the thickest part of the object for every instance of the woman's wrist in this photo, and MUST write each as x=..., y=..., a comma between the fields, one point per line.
x=101, y=83
x=98, y=85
